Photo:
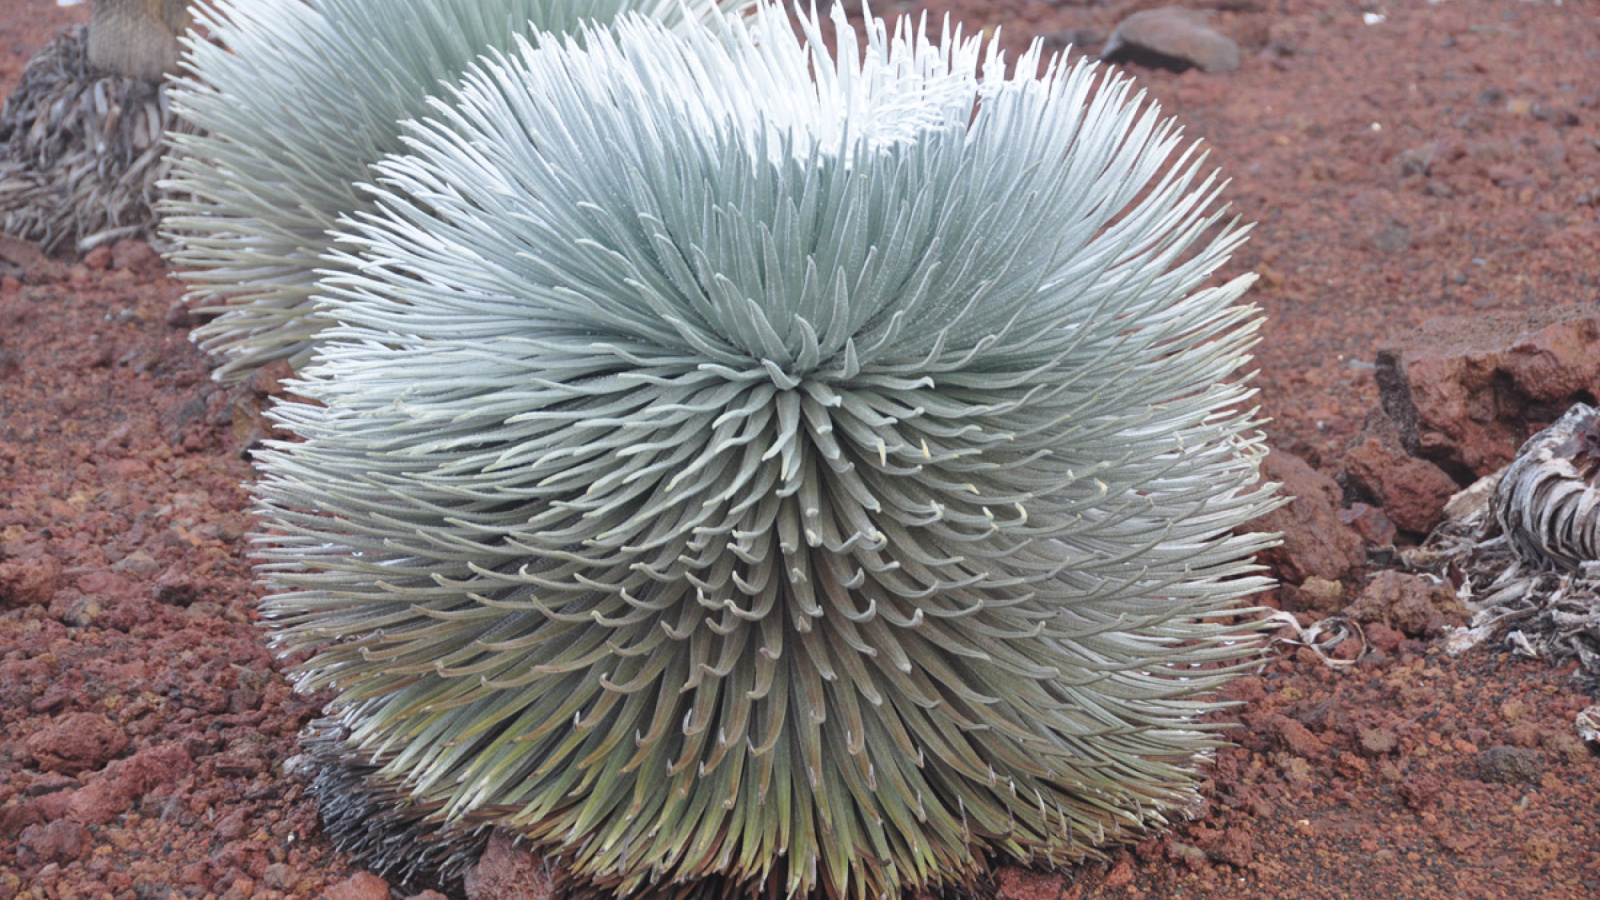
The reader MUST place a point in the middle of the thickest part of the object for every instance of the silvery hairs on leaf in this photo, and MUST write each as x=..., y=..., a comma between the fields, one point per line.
x=296, y=100
x=813, y=473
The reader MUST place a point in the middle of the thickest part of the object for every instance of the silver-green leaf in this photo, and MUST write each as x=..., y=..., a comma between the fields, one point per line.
x=295, y=100
x=730, y=460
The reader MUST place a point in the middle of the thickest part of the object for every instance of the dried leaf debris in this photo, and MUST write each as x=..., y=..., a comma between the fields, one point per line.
x=1521, y=546
x=82, y=152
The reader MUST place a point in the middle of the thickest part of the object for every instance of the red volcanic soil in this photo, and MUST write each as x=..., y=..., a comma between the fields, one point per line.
x=1443, y=160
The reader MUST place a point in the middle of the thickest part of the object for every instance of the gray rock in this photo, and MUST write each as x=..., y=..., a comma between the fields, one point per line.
x=1510, y=765
x=1172, y=37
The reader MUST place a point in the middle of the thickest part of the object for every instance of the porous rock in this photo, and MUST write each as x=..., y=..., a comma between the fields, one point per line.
x=249, y=402
x=1464, y=392
x=1410, y=603
x=1019, y=884
x=1412, y=491
x=1225, y=845
x=1377, y=741
x=136, y=256
x=1370, y=522
x=15, y=818
x=279, y=876
x=76, y=742
x=1295, y=737
x=1315, y=543
x=1187, y=855
x=1510, y=765
x=1172, y=37
x=54, y=842
x=360, y=886
x=28, y=580
x=1315, y=595
x=114, y=791
x=508, y=872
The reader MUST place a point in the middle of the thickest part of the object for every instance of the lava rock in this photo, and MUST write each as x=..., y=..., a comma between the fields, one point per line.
x=279, y=877
x=48, y=783
x=1391, y=239
x=28, y=581
x=1411, y=491
x=26, y=258
x=1078, y=38
x=180, y=316
x=125, y=781
x=360, y=886
x=508, y=872
x=176, y=587
x=1188, y=855
x=1510, y=765
x=1419, y=791
x=1019, y=884
x=1465, y=391
x=1377, y=741
x=1370, y=522
x=135, y=256
x=1295, y=738
x=1317, y=595
x=245, y=757
x=137, y=564
x=1383, y=638
x=76, y=742
x=78, y=611
x=18, y=817
x=248, y=404
x=1408, y=602
x=1227, y=845
x=56, y=842
x=1172, y=38
x=1315, y=543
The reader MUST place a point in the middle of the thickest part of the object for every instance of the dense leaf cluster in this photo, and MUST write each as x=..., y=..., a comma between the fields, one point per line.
x=727, y=459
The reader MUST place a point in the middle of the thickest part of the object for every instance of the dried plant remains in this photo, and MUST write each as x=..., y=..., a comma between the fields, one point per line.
x=81, y=151
x=1523, y=546
x=731, y=464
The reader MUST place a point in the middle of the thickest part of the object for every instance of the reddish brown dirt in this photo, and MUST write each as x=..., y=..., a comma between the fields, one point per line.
x=1442, y=161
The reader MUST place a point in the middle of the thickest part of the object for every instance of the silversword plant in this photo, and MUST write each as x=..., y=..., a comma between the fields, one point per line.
x=295, y=100
x=728, y=460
